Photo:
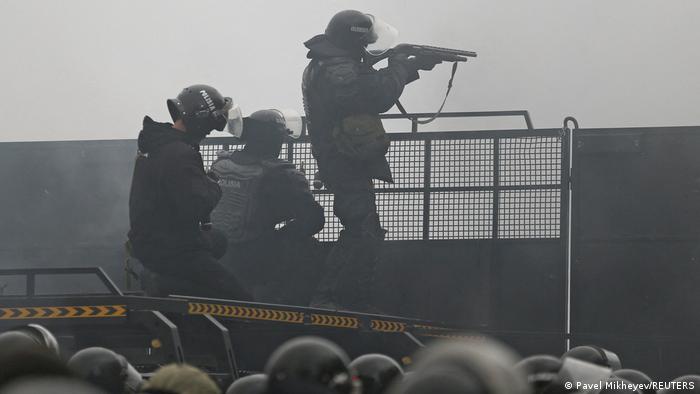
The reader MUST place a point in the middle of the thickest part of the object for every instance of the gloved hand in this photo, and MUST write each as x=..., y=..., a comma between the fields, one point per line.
x=212, y=175
x=426, y=62
x=414, y=63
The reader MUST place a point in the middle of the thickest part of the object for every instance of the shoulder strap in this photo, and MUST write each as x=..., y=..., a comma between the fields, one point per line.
x=439, y=111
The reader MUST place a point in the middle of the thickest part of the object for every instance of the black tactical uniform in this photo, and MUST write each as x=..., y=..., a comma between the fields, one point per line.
x=170, y=196
x=336, y=85
x=261, y=191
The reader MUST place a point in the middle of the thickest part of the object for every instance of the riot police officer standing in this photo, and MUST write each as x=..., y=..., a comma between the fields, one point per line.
x=171, y=198
x=343, y=97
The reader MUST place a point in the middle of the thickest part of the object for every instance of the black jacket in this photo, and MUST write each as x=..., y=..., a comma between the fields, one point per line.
x=170, y=194
x=337, y=84
x=282, y=194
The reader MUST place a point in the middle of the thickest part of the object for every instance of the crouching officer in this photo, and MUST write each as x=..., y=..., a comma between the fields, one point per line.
x=261, y=191
x=172, y=197
x=343, y=97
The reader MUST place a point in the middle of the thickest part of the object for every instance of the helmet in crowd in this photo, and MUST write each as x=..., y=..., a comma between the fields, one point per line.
x=202, y=108
x=29, y=335
x=105, y=369
x=252, y=384
x=595, y=355
x=486, y=363
x=12, y=341
x=50, y=385
x=180, y=378
x=27, y=359
x=376, y=372
x=350, y=29
x=542, y=373
x=438, y=382
x=636, y=377
x=310, y=365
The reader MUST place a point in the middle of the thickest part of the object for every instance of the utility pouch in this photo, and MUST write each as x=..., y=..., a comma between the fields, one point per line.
x=361, y=137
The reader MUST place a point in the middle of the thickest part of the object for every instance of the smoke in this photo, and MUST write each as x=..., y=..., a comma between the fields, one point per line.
x=83, y=70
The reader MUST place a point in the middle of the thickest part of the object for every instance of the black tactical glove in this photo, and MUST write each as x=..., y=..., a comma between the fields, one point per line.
x=426, y=62
x=212, y=175
x=414, y=63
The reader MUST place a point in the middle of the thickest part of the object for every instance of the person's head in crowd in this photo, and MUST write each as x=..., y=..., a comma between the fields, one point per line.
x=30, y=361
x=595, y=355
x=636, y=377
x=105, y=369
x=436, y=382
x=686, y=384
x=310, y=365
x=252, y=384
x=542, y=373
x=50, y=385
x=376, y=372
x=615, y=385
x=484, y=365
x=180, y=379
x=30, y=335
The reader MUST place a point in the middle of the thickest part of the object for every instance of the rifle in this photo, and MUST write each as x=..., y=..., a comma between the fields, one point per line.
x=444, y=54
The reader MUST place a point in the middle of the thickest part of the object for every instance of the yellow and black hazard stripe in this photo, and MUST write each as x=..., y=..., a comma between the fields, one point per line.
x=335, y=321
x=244, y=312
x=425, y=327
x=63, y=312
x=453, y=336
x=388, y=326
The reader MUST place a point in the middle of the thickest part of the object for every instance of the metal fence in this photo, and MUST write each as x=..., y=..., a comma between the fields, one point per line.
x=457, y=184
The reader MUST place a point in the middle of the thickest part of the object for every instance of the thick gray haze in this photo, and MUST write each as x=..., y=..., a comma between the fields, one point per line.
x=86, y=69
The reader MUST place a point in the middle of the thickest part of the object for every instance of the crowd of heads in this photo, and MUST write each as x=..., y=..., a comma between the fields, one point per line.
x=31, y=362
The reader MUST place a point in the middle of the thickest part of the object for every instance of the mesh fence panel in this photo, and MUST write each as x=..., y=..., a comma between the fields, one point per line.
x=530, y=161
x=407, y=164
x=465, y=162
x=464, y=193
x=529, y=214
x=405, y=223
x=461, y=215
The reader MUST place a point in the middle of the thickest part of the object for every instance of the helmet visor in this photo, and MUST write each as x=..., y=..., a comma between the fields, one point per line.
x=292, y=122
x=381, y=37
x=234, y=124
x=220, y=116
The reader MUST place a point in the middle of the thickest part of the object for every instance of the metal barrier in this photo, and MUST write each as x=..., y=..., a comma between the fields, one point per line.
x=457, y=185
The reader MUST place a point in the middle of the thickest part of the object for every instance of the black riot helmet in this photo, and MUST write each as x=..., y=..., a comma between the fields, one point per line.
x=264, y=132
x=484, y=363
x=442, y=381
x=252, y=384
x=105, y=369
x=310, y=365
x=594, y=355
x=41, y=335
x=202, y=108
x=50, y=385
x=350, y=30
x=376, y=372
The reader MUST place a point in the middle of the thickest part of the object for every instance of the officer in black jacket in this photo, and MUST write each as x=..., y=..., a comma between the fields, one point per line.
x=171, y=199
x=342, y=92
x=261, y=191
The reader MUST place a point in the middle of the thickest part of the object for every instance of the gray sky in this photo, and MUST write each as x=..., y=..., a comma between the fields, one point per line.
x=89, y=69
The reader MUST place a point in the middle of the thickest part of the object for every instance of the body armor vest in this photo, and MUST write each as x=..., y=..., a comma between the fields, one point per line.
x=240, y=184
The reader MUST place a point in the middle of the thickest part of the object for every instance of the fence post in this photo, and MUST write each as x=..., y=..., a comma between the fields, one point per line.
x=427, y=155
